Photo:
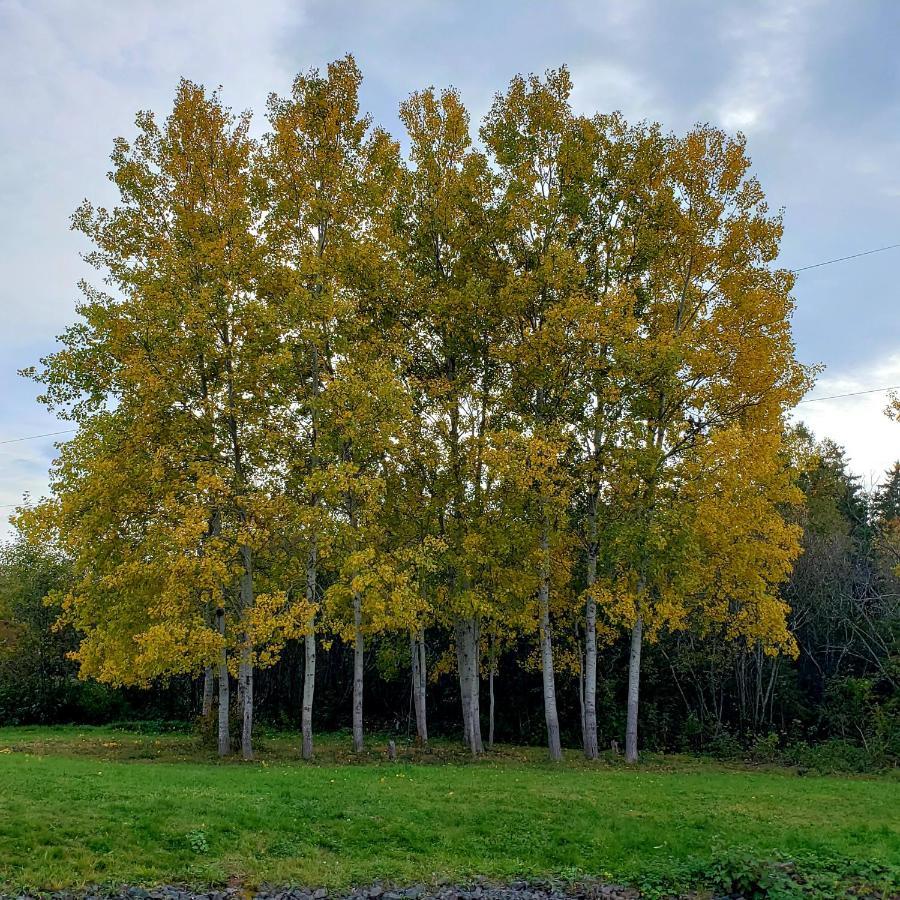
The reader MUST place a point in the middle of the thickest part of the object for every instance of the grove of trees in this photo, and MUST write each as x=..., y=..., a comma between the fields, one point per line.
x=518, y=395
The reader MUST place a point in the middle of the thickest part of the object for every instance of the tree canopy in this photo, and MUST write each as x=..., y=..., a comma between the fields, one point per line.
x=518, y=386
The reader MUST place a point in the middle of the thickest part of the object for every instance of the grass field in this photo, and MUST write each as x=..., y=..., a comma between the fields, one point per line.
x=96, y=806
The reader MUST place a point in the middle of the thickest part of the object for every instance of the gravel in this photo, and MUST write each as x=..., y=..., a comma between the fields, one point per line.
x=516, y=890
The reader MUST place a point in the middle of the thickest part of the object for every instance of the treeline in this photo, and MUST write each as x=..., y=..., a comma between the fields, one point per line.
x=834, y=707
x=524, y=395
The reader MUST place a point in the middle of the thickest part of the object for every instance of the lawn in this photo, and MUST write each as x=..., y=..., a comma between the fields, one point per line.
x=96, y=806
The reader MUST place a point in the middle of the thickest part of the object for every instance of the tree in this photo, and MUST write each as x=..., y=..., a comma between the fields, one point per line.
x=610, y=187
x=843, y=595
x=886, y=500
x=449, y=313
x=530, y=133
x=714, y=354
x=169, y=493
x=35, y=674
x=326, y=177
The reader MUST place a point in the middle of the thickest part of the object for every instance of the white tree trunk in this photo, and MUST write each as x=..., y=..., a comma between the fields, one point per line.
x=589, y=719
x=309, y=671
x=589, y=675
x=309, y=684
x=580, y=686
x=224, y=692
x=358, y=660
x=547, y=672
x=312, y=561
x=634, y=679
x=246, y=676
x=417, y=656
x=491, y=670
x=476, y=744
x=465, y=680
x=246, y=666
x=468, y=660
x=208, y=692
x=549, y=684
x=423, y=681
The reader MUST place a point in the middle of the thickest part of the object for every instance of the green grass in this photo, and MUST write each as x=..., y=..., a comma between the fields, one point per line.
x=85, y=806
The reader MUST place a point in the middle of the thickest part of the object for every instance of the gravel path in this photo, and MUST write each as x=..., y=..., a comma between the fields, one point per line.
x=517, y=890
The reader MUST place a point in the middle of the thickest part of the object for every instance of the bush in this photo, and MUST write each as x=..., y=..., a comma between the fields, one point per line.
x=832, y=756
x=736, y=872
x=725, y=746
x=766, y=748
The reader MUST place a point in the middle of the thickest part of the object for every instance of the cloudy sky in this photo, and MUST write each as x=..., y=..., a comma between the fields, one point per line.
x=814, y=84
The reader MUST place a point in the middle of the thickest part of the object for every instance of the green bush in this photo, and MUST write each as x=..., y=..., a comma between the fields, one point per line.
x=737, y=872
x=832, y=756
x=766, y=748
x=725, y=746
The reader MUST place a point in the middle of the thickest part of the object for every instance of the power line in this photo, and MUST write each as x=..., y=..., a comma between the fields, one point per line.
x=828, y=262
x=895, y=387
x=34, y=437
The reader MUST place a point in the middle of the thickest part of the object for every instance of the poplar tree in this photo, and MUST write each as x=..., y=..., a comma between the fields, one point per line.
x=609, y=189
x=374, y=589
x=715, y=357
x=326, y=173
x=450, y=314
x=529, y=131
x=167, y=495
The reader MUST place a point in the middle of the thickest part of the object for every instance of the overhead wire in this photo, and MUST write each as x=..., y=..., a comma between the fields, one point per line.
x=838, y=259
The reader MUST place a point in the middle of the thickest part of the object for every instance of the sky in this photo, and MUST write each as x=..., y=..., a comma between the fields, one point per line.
x=813, y=84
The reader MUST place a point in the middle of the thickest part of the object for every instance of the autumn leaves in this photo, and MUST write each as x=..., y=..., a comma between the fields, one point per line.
x=484, y=392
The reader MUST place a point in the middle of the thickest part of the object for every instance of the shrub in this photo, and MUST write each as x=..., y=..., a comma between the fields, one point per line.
x=736, y=872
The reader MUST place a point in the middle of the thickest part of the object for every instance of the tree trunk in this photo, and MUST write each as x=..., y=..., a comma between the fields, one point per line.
x=358, y=659
x=589, y=673
x=246, y=667
x=465, y=680
x=246, y=664
x=491, y=669
x=417, y=655
x=224, y=693
x=309, y=682
x=423, y=681
x=309, y=673
x=547, y=672
x=208, y=692
x=580, y=681
x=589, y=728
x=474, y=660
x=634, y=677
x=246, y=675
x=312, y=560
x=467, y=649
x=414, y=676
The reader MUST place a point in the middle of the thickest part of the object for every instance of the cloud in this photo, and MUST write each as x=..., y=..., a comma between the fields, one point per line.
x=23, y=471
x=769, y=46
x=74, y=76
x=858, y=424
x=606, y=85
